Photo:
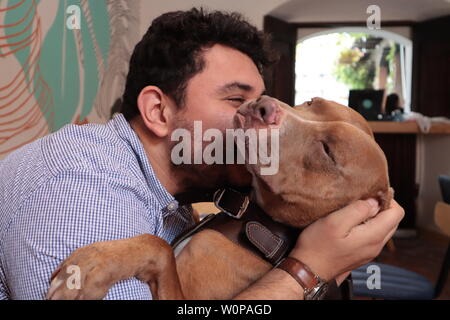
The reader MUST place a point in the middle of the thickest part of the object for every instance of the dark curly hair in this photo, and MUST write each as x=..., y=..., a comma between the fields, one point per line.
x=169, y=54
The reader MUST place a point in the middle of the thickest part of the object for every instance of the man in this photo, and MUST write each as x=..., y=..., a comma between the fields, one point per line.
x=103, y=182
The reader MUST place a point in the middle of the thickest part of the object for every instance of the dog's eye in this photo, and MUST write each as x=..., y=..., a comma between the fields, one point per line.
x=327, y=151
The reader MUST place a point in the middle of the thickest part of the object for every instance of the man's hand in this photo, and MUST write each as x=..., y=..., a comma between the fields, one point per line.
x=347, y=238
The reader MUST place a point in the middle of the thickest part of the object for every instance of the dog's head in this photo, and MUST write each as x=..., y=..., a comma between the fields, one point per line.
x=328, y=158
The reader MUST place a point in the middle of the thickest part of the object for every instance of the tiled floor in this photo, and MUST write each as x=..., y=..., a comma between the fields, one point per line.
x=421, y=255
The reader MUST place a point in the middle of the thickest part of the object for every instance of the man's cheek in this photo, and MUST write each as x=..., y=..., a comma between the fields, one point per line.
x=220, y=122
x=226, y=120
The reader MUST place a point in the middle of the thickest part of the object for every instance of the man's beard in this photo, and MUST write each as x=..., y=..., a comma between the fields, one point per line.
x=206, y=175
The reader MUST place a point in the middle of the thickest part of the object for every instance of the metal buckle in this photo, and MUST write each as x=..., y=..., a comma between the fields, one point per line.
x=218, y=196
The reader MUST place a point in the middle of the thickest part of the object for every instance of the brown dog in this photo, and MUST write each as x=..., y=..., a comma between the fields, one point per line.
x=327, y=152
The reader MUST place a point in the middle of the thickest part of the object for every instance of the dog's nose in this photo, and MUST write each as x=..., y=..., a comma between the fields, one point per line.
x=266, y=109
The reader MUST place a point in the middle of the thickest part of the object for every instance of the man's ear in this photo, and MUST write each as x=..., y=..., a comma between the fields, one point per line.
x=154, y=110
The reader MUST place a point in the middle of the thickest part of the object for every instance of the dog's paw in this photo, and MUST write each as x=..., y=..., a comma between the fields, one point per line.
x=87, y=274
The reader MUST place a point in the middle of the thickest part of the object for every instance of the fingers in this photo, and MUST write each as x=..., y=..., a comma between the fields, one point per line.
x=341, y=242
x=381, y=225
x=354, y=214
x=377, y=231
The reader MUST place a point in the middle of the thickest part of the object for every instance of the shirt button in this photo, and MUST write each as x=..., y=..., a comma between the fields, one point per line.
x=172, y=206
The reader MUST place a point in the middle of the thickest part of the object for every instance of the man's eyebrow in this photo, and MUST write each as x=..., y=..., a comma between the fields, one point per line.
x=235, y=85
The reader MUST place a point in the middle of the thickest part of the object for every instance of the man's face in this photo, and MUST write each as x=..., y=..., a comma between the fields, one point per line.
x=228, y=79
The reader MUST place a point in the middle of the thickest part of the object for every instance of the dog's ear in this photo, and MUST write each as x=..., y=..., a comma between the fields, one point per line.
x=384, y=198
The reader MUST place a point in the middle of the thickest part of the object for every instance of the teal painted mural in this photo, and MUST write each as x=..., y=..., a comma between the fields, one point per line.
x=61, y=61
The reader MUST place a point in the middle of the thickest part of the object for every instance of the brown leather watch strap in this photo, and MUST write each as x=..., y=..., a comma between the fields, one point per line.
x=300, y=272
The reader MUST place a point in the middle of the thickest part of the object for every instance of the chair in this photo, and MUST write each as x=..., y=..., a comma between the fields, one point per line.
x=399, y=283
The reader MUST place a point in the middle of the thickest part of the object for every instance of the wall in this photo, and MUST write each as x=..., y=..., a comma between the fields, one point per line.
x=433, y=153
x=253, y=10
x=305, y=32
x=52, y=75
x=355, y=10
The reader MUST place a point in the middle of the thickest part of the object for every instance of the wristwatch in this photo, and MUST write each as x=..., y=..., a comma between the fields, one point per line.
x=314, y=287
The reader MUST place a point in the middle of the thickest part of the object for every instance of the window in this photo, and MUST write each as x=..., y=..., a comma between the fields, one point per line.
x=330, y=63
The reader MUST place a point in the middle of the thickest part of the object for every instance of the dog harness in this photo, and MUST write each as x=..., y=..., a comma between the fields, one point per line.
x=244, y=223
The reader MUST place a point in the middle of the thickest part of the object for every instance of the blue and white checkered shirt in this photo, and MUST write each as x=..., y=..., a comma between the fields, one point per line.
x=77, y=186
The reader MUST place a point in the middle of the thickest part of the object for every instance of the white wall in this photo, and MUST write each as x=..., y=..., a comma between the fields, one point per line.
x=402, y=31
x=355, y=10
x=254, y=10
x=433, y=159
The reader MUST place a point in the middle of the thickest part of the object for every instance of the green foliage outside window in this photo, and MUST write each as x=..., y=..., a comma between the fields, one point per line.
x=356, y=74
x=354, y=67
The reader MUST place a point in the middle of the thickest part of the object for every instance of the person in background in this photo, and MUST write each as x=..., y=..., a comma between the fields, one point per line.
x=393, y=104
x=393, y=110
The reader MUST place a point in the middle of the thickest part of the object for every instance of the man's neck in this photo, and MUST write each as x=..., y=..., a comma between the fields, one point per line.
x=158, y=156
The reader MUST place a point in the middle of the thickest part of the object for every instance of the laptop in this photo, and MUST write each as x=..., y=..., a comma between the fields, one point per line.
x=367, y=102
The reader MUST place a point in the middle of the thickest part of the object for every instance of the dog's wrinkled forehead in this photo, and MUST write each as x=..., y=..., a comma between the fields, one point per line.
x=319, y=109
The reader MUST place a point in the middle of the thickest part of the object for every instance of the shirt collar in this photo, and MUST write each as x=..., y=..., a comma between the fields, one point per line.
x=168, y=203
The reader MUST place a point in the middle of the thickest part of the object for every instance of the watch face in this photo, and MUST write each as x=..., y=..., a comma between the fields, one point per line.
x=321, y=292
